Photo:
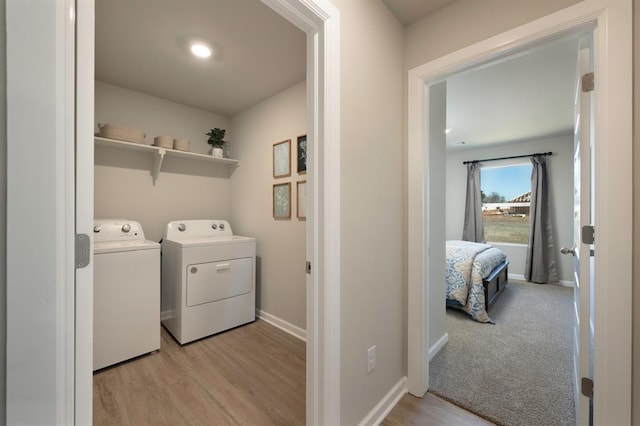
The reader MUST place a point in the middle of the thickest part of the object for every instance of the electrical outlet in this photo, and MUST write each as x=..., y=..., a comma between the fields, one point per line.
x=371, y=359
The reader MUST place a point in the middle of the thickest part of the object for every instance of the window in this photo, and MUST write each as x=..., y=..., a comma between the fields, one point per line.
x=506, y=200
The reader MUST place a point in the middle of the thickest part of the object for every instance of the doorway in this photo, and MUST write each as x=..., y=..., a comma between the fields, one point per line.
x=64, y=394
x=575, y=18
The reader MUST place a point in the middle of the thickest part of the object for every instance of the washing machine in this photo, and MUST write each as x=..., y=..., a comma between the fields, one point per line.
x=208, y=279
x=126, y=292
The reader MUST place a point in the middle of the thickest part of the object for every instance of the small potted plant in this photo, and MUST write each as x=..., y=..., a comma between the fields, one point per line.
x=216, y=141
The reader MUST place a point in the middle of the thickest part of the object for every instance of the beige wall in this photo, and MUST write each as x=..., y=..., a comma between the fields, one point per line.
x=281, y=281
x=3, y=209
x=560, y=169
x=372, y=290
x=636, y=215
x=468, y=21
x=184, y=190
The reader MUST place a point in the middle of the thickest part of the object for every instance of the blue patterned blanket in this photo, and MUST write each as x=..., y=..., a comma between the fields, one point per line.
x=468, y=264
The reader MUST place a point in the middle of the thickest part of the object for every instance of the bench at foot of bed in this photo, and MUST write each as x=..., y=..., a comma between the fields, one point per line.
x=495, y=283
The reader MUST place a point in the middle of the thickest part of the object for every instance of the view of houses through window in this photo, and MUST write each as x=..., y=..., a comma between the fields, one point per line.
x=506, y=199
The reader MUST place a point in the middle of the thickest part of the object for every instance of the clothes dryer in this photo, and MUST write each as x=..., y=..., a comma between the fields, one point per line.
x=208, y=279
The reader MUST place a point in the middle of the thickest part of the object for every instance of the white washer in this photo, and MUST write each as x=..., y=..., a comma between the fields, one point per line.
x=126, y=292
x=208, y=279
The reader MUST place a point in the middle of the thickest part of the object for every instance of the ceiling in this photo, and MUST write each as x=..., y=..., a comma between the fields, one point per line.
x=410, y=11
x=143, y=45
x=529, y=95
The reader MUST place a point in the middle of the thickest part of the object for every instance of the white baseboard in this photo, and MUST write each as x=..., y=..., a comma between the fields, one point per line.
x=563, y=283
x=433, y=350
x=283, y=325
x=386, y=404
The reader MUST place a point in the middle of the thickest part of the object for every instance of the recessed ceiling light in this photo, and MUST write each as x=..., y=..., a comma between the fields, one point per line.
x=447, y=131
x=201, y=50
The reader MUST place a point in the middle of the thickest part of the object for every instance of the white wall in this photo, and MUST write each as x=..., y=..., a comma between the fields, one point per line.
x=184, y=190
x=281, y=280
x=560, y=170
x=372, y=289
x=437, y=214
x=636, y=217
x=3, y=209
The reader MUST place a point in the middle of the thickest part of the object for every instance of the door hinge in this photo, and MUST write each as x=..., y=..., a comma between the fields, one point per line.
x=588, y=82
x=83, y=252
x=308, y=267
x=588, y=234
x=587, y=387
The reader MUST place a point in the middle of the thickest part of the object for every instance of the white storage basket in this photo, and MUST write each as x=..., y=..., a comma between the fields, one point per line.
x=121, y=133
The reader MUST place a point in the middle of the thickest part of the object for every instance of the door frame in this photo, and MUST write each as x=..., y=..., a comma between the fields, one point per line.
x=613, y=180
x=56, y=374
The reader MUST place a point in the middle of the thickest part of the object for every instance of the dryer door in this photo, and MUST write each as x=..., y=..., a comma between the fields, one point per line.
x=208, y=282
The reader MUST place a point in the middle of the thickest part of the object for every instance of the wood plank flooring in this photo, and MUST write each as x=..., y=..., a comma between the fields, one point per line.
x=430, y=410
x=251, y=375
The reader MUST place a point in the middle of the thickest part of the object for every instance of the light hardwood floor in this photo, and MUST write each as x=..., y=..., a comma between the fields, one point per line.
x=430, y=410
x=251, y=375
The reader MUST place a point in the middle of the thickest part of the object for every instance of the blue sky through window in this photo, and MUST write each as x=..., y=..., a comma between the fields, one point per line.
x=509, y=181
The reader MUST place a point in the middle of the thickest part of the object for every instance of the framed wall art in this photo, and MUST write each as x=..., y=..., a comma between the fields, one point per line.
x=301, y=191
x=282, y=159
x=301, y=158
x=282, y=200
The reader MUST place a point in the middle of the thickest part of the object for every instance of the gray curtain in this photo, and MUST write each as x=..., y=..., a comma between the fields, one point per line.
x=541, y=264
x=473, y=226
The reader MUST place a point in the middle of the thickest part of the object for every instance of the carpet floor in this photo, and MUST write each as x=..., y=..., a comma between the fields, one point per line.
x=518, y=371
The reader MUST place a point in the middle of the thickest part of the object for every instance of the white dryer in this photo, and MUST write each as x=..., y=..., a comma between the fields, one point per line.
x=126, y=292
x=208, y=279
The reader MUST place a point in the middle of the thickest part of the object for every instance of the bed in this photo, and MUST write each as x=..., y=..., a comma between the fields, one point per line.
x=476, y=275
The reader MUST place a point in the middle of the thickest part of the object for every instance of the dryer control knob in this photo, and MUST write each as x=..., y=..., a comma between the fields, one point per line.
x=97, y=229
x=182, y=227
x=214, y=226
x=221, y=226
x=126, y=227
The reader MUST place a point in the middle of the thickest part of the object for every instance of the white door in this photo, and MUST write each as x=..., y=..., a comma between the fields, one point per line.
x=84, y=209
x=582, y=218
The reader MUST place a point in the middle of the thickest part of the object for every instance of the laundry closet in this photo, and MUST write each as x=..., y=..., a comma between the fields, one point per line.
x=148, y=80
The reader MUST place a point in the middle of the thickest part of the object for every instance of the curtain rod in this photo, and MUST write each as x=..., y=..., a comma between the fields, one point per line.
x=507, y=158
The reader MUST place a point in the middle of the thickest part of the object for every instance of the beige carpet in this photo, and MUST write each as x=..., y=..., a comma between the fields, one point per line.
x=517, y=371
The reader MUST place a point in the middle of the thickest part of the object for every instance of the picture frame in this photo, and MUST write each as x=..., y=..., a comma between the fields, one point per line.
x=282, y=159
x=301, y=201
x=301, y=154
x=282, y=200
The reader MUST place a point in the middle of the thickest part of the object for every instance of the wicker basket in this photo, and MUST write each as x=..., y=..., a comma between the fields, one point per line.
x=163, y=141
x=121, y=133
x=181, y=145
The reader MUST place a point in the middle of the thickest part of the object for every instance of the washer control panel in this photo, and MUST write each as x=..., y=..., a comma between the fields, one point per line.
x=117, y=230
x=179, y=229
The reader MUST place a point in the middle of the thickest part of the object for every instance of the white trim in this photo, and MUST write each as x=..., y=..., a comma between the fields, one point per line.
x=85, y=105
x=283, y=325
x=435, y=348
x=613, y=38
x=386, y=404
x=516, y=277
x=321, y=21
x=563, y=283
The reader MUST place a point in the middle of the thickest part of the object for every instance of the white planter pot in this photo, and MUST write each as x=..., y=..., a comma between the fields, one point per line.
x=217, y=152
